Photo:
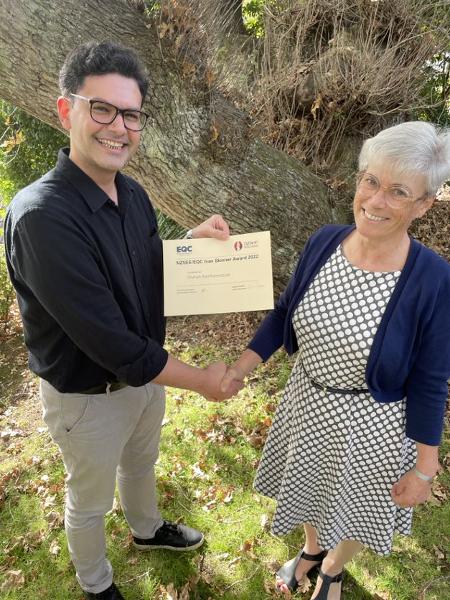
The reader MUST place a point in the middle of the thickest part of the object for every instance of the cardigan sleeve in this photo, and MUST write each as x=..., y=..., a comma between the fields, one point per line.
x=426, y=388
x=270, y=334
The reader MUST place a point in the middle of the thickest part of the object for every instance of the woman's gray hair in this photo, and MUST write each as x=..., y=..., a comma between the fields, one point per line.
x=413, y=147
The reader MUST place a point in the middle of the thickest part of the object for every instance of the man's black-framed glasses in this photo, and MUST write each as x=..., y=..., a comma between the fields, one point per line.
x=105, y=113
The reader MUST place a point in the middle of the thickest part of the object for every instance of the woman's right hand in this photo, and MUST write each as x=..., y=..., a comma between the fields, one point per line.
x=212, y=387
x=240, y=369
x=231, y=378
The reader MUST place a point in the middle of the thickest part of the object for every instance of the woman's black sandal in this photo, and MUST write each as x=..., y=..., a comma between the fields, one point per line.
x=287, y=571
x=327, y=580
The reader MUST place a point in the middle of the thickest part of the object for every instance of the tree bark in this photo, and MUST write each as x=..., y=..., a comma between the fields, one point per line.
x=199, y=154
x=232, y=11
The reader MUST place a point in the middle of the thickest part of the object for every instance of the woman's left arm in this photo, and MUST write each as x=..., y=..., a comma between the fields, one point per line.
x=426, y=388
x=415, y=485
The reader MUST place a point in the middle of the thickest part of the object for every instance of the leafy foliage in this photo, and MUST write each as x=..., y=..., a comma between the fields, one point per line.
x=28, y=149
x=6, y=292
x=436, y=91
x=253, y=13
x=168, y=228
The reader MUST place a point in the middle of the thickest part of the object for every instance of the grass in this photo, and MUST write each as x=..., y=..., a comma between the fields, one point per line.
x=208, y=457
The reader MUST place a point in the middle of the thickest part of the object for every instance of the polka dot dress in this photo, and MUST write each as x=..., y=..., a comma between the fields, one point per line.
x=331, y=459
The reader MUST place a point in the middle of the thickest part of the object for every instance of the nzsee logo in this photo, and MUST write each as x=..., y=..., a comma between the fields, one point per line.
x=184, y=249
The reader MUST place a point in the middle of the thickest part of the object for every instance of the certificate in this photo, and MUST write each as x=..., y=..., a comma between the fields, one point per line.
x=206, y=275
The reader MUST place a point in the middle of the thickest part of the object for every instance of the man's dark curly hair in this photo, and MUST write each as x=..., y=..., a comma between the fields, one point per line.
x=101, y=58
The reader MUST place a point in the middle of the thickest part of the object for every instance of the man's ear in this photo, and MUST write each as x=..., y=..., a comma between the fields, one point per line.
x=64, y=107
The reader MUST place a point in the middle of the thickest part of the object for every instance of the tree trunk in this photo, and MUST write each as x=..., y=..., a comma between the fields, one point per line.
x=198, y=155
x=232, y=11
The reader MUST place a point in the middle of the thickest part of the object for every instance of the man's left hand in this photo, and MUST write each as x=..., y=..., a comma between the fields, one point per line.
x=410, y=490
x=214, y=227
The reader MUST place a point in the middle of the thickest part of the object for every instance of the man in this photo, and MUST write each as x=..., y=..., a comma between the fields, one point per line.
x=85, y=259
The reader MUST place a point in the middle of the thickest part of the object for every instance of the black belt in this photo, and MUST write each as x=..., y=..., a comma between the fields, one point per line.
x=114, y=386
x=328, y=389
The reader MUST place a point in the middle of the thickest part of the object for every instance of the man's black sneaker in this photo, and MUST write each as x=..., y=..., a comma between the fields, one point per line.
x=112, y=593
x=172, y=537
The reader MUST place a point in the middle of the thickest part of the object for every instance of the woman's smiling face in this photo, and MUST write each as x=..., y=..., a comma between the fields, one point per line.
x=375, y=217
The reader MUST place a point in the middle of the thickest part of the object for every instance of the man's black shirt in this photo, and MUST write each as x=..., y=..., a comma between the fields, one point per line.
x=88, y=278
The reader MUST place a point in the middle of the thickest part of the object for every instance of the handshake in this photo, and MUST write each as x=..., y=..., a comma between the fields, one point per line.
x=220, y=382
x=215, y=382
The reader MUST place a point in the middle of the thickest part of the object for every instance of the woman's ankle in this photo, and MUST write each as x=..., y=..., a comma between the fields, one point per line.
x=331, y=567
x=312, y=548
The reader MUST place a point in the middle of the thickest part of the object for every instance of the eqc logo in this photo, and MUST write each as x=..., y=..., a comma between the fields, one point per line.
x=184, y=249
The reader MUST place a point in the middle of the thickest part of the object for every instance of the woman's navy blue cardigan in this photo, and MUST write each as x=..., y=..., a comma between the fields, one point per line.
x=410, y=355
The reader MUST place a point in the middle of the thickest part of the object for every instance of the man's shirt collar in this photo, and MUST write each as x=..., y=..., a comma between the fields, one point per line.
x=92, y=194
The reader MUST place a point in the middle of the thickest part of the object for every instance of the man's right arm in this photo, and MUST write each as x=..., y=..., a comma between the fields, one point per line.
x=206, y=382
x=68, y=282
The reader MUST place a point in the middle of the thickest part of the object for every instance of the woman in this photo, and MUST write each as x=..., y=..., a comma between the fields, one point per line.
x=354, y=442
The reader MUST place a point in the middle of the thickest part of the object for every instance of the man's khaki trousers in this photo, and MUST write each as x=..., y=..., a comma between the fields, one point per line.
x=104, y=438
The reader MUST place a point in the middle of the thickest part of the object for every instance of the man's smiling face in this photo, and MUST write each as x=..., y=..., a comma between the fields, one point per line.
x=101, y=150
